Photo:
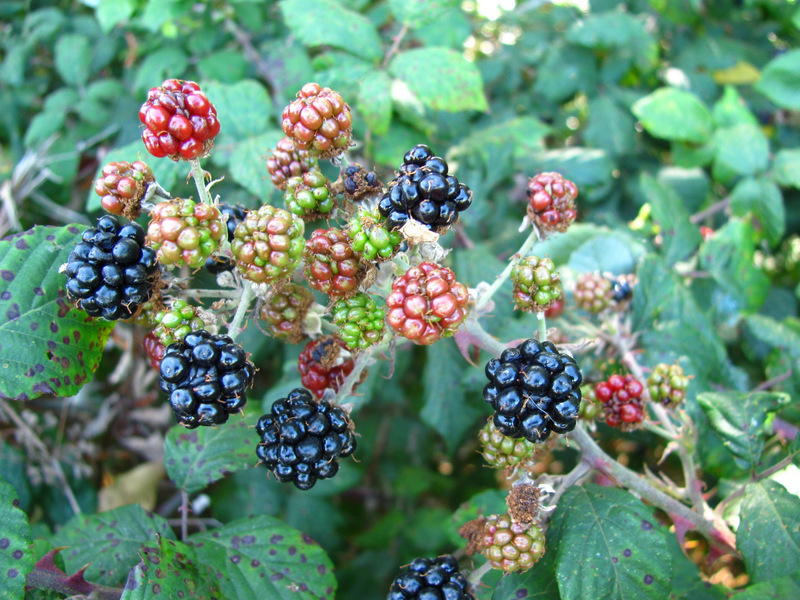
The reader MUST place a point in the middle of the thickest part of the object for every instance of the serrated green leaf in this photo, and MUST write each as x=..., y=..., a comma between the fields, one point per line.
x=681, y=237
x=786, y=167
x=197, y=458
x=13, y=469
x=673, y=114
x=416, y=13
x=73, y=55
x=731, y=110
x=769, y=533
x=608, y=545
x=445, y=409
x=742, y=149
x=42, y=126
x=243, y=108
x=761, y=199
x=374, y=101
x=740, y=420
x=328, y=23
x=16, y=558
x=780, y=80
x=46, y=345
x=247, y=164
x=170, y=569
x=260, y=557
x=609, y=127
x=565, y=71
x=231, y=67
x=728, y=258
x=537, y=583
x=441, y=78
x=110, y=541
x=160, y=64
x=606, y=254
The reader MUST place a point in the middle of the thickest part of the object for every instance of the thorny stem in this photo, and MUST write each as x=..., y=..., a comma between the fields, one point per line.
x=395, y=46
x=579, y=472
x=235, y=326
x=526, y=246
x=199, y=176
x=476, y=576
x=710, y=211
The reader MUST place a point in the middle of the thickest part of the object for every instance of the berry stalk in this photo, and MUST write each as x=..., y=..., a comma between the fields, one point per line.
x=235, y=326
x=199, y=176
x=484, y=298
x=542, y=326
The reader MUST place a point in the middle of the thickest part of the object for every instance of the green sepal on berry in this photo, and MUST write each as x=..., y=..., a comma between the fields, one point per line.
x=309, y=196
x=360, y=321
x=184, y=232
x=371, y=238
x=667, y=385
x=502, y=451
x=537, y=285
x=510, y=546
x=174, y=323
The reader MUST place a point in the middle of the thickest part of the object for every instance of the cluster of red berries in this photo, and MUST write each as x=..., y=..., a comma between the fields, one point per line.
x=551, y=201
x=623, y=404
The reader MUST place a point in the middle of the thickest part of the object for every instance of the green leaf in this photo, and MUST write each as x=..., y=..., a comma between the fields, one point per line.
x=328, y=23
x=259, y=557
x=112, y=12
x=786, y=167
x=160, y=64
x=524, y=134
x=622, y=35
x=565, y=71
x=673, y=114
x=13, y=468
x=537, y=583
x=171, y=569
x=774, y=333
x=740, y=420
x=73, y=55
x=780, y=80
x=16, y=558
x=109, y=542
x=728, y=258
x=374, y=101
x=777, y=589
x=769, y=533
x=742, y=149
x=680, y=236
x=590, y=169
x=446, y=409
x=731, y=110
x=441, y=78
x=608, y=545
x=226, y=66
x=199, y=457
x=761, y=199
x=607, y=254
x=247, y=164
x=243, y=108
x=46, y=345
x=416, y=13
x=609, y=127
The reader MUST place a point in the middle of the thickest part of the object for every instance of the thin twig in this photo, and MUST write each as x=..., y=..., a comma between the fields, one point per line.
x=710, y=211
x=526, y=246
x=395, y=46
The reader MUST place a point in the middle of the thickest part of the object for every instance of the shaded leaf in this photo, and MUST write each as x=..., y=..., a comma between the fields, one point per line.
x=374, y=101
x=16, y=558
x=731, y=110
x=610, y=127
x=260, y=557
x=606, y=254
x=248, y=166
x=742, y=149
x=780, y=80
x=73, y=55
x=673, y=114
x=244, y=109
x=786, y=167
x=761, y=199
x=416, y=13
x=740, y=421
x=568, y=70
x=777, y=589
x=769, y=533
x=680, y=236
x=537, y=583
x=46, y=345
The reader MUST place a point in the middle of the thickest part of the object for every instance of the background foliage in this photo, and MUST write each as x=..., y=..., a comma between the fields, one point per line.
x=667, y=115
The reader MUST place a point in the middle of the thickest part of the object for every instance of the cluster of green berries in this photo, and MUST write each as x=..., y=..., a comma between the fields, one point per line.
x=308, y=195
x=360, y=321
x=667, y=385
x=502, y=451
x=371, y=238
x=174, y=323
x=184, y=232
x=537, y=285
x=284, y=309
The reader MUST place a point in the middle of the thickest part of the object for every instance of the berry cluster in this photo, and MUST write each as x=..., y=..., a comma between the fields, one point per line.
x=359, y=183
x=268, y=244
x=360, y=321
x=318, y=121
x=179, y=121
x=122, y=187
x=501, y=451
x=331, y=265
x=154, y=349
x=593, y=292
x=370, y=238
x=431, y=579
x=284, y=309
x=623, y=404
x=622, y=291
x=536, y=284
x=302, y=439
x=534, y=389
x=427, y=303
x=667, y=384
x=551, y=202
x=324, y=363
x=424, y=191
x=111, y=273
x=174, y=323
x=184, y=232
x=287, y=161
x=512, y=546
x=206, y=376
x=309, y=196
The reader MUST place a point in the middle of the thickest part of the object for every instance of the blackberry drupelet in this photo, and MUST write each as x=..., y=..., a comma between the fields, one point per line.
x=111, y=273
x=431, y=579
x=302, y=439
x=534, y=390
x=206, y=376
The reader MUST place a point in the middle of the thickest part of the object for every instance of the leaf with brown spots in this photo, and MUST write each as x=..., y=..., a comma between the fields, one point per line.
x=16, y=559
x=47, y=347
x=169, y=570
x=260, y=557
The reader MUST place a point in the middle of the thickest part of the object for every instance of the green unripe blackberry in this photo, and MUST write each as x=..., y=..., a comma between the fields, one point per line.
x=308, y=195
x=536, y=284
x=371, y=238
x=184, y=232
x=268, y=244
x=667, y=384
x=590, y=407
x=501, y=451
x=284, y=310
x=360, y=321
x=510, y=546
x=593, y=292
x=174, y=323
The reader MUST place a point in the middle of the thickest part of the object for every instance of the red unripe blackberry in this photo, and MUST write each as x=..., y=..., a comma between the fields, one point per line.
x=593, y=292
x=431, y=579
x=318, y=121
x=324, y=363
x=179, y=121
x=667, y=384
x=556, y=309
x=427, y=303
x=287, y=161
x=551, y=202
x=623, y=404
x=331, y=265
x=284, y=310
x=154, y=348
x=510, y=546
x=122, y=186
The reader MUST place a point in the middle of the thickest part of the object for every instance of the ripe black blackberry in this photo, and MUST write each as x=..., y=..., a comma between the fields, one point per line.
x=111, y=273
x=431, y=579
x=302, y=439
x=534, y=389
x=424, y=191
x=206, y=376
